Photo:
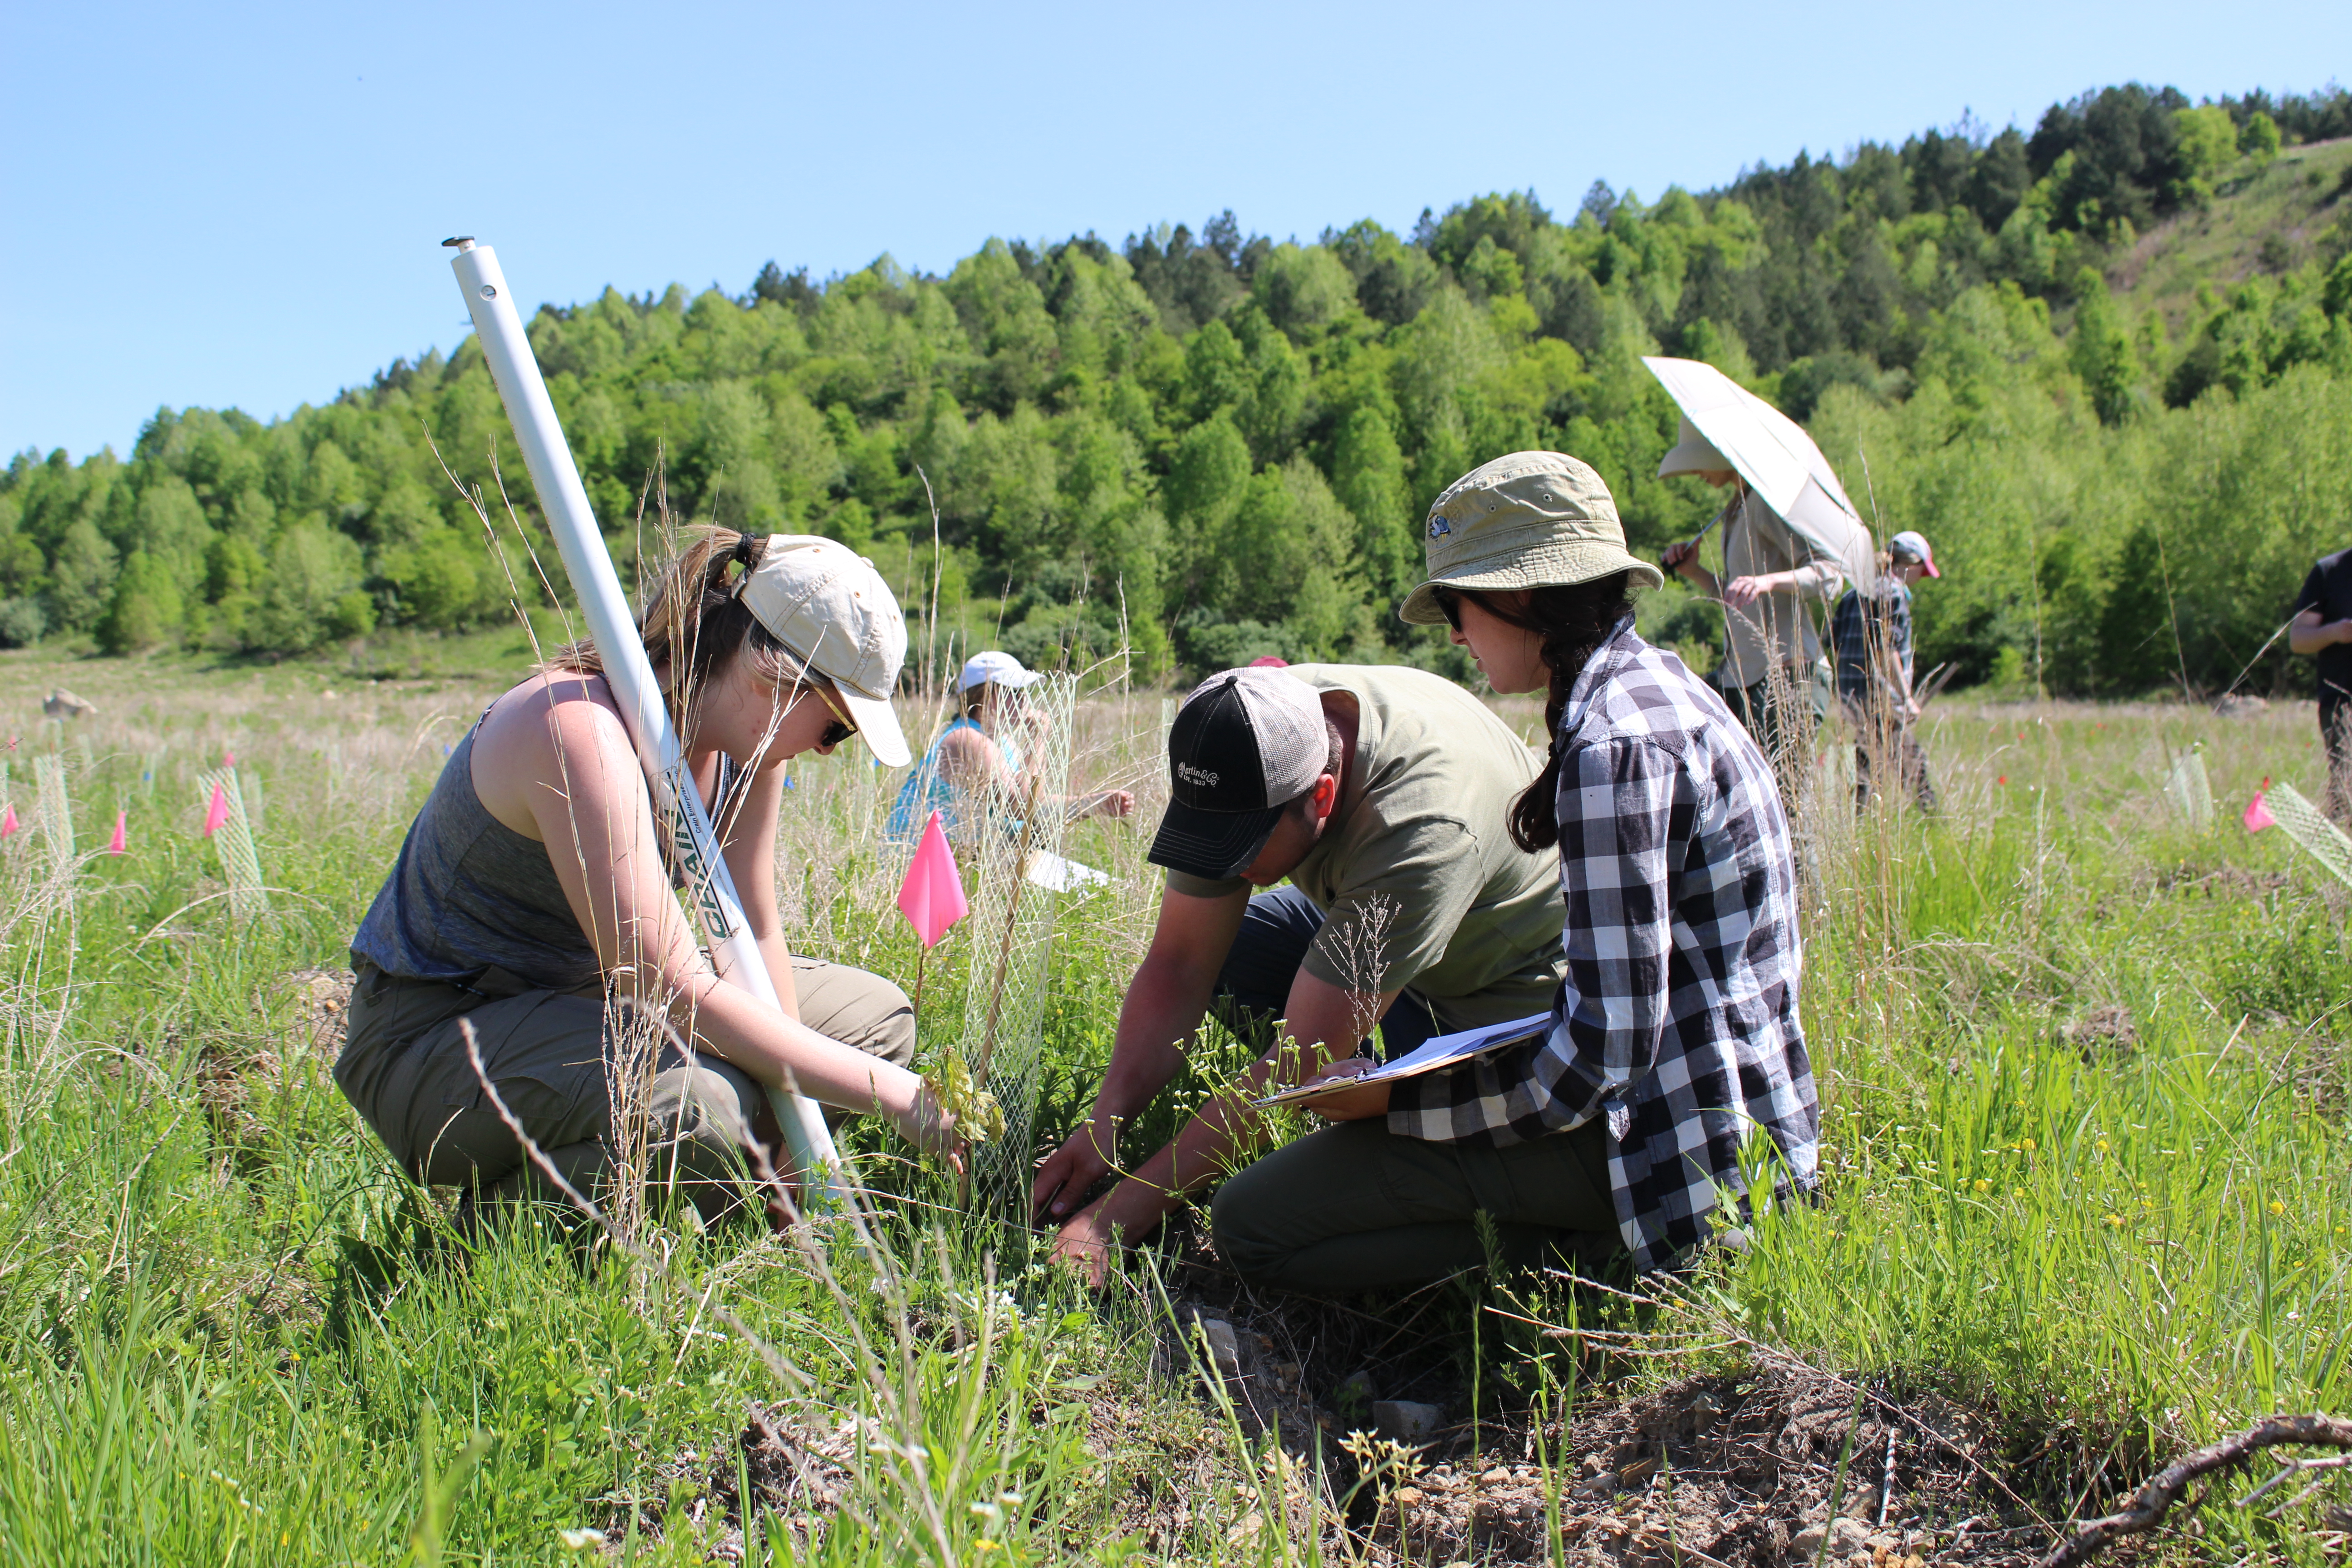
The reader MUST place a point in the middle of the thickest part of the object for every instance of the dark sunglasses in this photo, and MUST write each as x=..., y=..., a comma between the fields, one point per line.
x=1449, y=605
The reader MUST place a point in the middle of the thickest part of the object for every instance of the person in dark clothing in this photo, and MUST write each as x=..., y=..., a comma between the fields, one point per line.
x=2321, y=630
x=1870, y=632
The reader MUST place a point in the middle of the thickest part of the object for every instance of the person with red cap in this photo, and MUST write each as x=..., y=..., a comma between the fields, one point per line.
x=1871, y=634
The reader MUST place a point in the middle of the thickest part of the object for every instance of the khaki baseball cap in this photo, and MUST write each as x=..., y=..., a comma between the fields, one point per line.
x=827, y=604
x=1533, y=519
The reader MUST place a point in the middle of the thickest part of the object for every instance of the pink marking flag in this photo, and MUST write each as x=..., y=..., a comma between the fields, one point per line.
x=228, y=758
x=8, y=820
x=2258, y=816
x=217, y=811
x=120, y=842
x=932, y=897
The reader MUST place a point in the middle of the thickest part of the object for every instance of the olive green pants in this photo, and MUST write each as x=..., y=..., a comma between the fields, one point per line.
x=404, y=1066
x=1357, y=1207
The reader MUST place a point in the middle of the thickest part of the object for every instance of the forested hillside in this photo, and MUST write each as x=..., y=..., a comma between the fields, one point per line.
x=2106, y=364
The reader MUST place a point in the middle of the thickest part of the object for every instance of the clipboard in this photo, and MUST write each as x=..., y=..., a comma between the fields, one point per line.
x=1435, y=1054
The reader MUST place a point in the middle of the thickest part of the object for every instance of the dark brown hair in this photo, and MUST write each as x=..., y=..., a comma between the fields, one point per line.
x=694, y=621
x=1574, y=622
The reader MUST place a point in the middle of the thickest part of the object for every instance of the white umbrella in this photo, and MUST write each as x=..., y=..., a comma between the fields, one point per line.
x=1778, y=459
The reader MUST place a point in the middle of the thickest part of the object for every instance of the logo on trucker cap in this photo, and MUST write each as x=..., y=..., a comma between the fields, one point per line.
x=1244, y=741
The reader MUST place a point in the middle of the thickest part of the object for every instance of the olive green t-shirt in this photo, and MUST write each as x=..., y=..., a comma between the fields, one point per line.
x=1416, y=874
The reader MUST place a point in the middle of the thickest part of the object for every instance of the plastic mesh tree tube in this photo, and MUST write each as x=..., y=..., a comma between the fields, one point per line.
x=57, y=811
x=2308, y=825
x=1012, y=939
x=233, y=841
x=2188, y=791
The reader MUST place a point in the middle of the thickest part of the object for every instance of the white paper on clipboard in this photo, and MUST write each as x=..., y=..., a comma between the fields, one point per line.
x=1438, y=1052
x=1056, y=875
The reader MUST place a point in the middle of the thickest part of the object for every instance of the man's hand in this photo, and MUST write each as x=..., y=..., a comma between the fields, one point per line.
x=1115, y=804
x=1742, y=591
x=1086, y=1245
x=1679, y=554
x=1067, y=1173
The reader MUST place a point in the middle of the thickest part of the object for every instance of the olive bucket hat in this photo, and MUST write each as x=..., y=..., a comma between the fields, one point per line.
x=1533, y=519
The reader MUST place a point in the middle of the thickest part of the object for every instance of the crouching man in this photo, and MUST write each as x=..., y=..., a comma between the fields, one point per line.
x=1380, y=794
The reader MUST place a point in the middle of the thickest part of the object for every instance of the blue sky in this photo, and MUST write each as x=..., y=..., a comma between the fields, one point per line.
x=241, y=205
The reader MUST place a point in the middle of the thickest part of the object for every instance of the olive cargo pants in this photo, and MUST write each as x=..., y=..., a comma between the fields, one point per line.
x=404, y=1066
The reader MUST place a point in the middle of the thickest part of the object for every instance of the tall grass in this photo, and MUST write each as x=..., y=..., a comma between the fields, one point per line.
x=231, y=1327
x=2083, y=1091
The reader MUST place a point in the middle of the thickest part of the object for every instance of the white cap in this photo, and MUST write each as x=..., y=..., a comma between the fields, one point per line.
x=1001, y=667
x=828, y=604
x=1694, y=454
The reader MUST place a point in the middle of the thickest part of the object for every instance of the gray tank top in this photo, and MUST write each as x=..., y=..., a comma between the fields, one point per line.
x=469, y=892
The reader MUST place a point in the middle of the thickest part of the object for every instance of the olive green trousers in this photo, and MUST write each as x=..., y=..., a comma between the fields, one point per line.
x=550, y=1054
x=1357, y=1207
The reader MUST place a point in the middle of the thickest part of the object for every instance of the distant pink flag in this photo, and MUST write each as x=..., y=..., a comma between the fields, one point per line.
x=217, y=811
x=932, y=897
x=228, y=758
x=120, y=842
x=2258, y=816
x=8, y=820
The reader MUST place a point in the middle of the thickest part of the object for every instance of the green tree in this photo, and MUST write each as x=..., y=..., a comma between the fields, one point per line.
x=147, y=610
x=1303, y=289
x=1368, y=475
x=2101, y=349
x=2260, y=138
x=82, y=578
x=2207, y=143
x=310, y=593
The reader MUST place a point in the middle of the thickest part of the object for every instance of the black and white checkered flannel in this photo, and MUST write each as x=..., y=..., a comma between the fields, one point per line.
x=1865, y=630
x=1677, y=1020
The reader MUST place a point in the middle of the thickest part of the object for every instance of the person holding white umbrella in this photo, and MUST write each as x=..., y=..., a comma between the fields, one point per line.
x=1789, y=534
x=1769, y=570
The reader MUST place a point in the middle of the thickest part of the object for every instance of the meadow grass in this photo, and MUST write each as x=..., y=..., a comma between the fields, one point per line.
x=2085, y=1171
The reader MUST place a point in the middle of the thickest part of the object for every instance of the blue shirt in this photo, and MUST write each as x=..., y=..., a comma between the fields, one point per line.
x=926, y=791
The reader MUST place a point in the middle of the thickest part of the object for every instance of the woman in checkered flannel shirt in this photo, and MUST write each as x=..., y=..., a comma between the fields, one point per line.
x=1673, y=1080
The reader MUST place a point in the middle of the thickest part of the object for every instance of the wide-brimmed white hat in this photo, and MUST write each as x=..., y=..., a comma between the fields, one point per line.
x=831, y=608
x=1694, y=454
x=999, y=666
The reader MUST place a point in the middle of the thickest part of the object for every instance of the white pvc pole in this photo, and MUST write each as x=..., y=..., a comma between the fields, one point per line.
x=694, y=845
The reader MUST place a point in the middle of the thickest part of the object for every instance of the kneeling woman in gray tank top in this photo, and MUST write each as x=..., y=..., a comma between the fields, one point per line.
x=531, y=900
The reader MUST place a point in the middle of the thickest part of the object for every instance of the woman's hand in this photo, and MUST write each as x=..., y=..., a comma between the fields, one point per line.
x=1357, y=1104
x=1115, y=803
x=931, y=1127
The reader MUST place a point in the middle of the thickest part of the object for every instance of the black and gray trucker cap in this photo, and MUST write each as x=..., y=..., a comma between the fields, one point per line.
x=1246, y=744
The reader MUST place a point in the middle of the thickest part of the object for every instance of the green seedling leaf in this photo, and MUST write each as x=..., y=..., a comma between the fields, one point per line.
x=978, y=1115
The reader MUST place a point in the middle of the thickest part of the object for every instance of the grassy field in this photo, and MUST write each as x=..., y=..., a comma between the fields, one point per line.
x=2087, y=1182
